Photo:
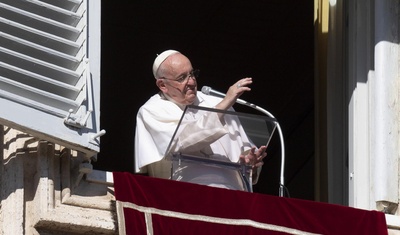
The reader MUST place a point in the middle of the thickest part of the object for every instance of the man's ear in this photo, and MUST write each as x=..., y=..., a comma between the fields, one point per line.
x=161, y=84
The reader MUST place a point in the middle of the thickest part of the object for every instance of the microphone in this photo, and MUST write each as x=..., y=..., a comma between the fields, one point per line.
x=209, y=91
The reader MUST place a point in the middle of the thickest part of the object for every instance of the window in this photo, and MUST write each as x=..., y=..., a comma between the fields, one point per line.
x=50, y=70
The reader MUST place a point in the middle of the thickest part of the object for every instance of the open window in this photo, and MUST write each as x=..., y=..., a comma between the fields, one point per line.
x=50, y=70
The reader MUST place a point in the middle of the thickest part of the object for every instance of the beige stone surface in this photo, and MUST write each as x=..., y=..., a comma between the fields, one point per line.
x=44, y=191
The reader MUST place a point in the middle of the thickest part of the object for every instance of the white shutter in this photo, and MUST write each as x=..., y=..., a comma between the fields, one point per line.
x=50, y=70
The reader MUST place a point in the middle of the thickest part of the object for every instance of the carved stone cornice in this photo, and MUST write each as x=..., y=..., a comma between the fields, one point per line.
x=41, y=193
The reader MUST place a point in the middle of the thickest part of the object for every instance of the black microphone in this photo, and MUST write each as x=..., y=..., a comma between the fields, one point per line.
x=209, y=91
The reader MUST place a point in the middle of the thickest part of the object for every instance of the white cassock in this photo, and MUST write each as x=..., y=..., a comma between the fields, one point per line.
x=201, y=134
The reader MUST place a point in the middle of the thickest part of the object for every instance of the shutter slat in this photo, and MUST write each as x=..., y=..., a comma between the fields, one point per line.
x=71, y=5
x=37, y=95
x=40, y=82
x=39, y=22
x=39, y=52
x=40, y=67
x=47, y=10
x=40, y=37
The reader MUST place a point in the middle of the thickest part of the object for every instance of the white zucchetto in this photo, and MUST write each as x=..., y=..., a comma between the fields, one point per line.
x=160, y=59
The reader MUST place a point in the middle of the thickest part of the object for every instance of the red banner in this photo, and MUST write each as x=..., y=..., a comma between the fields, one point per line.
x=148, y=205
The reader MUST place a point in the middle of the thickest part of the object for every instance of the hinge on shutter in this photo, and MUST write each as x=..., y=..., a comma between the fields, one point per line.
x=78, y=122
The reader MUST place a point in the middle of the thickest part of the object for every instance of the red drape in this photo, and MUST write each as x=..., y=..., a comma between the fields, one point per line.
x=148, y=205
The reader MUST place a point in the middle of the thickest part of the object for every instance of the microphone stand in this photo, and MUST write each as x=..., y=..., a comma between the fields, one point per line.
x=282, y=180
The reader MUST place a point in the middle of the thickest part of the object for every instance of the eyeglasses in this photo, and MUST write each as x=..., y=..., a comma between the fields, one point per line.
x=185, y=77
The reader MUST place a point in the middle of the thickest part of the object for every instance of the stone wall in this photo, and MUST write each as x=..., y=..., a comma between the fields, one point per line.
x=43, y=190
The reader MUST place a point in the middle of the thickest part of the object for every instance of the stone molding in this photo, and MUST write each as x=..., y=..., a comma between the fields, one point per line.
x=42, y=191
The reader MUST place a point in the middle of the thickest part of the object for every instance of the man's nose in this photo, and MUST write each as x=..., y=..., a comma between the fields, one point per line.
x=192, y=80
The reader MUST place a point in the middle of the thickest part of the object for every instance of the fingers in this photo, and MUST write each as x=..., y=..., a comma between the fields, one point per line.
x=255, y=157
x=242, y=84
x=262, y=152
x=234, y=92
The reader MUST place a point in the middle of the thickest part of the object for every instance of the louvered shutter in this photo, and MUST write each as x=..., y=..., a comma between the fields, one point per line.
x=50, y=70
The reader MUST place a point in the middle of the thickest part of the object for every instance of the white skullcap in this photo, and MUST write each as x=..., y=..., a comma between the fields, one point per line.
x=160, y=59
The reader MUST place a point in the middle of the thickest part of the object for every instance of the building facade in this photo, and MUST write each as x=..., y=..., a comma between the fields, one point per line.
x=49, y=97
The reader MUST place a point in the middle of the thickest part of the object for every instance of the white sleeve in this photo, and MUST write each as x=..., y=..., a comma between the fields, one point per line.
x=155, y=125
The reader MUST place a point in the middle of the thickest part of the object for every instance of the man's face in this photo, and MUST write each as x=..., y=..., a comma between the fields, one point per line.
x=178, y=81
